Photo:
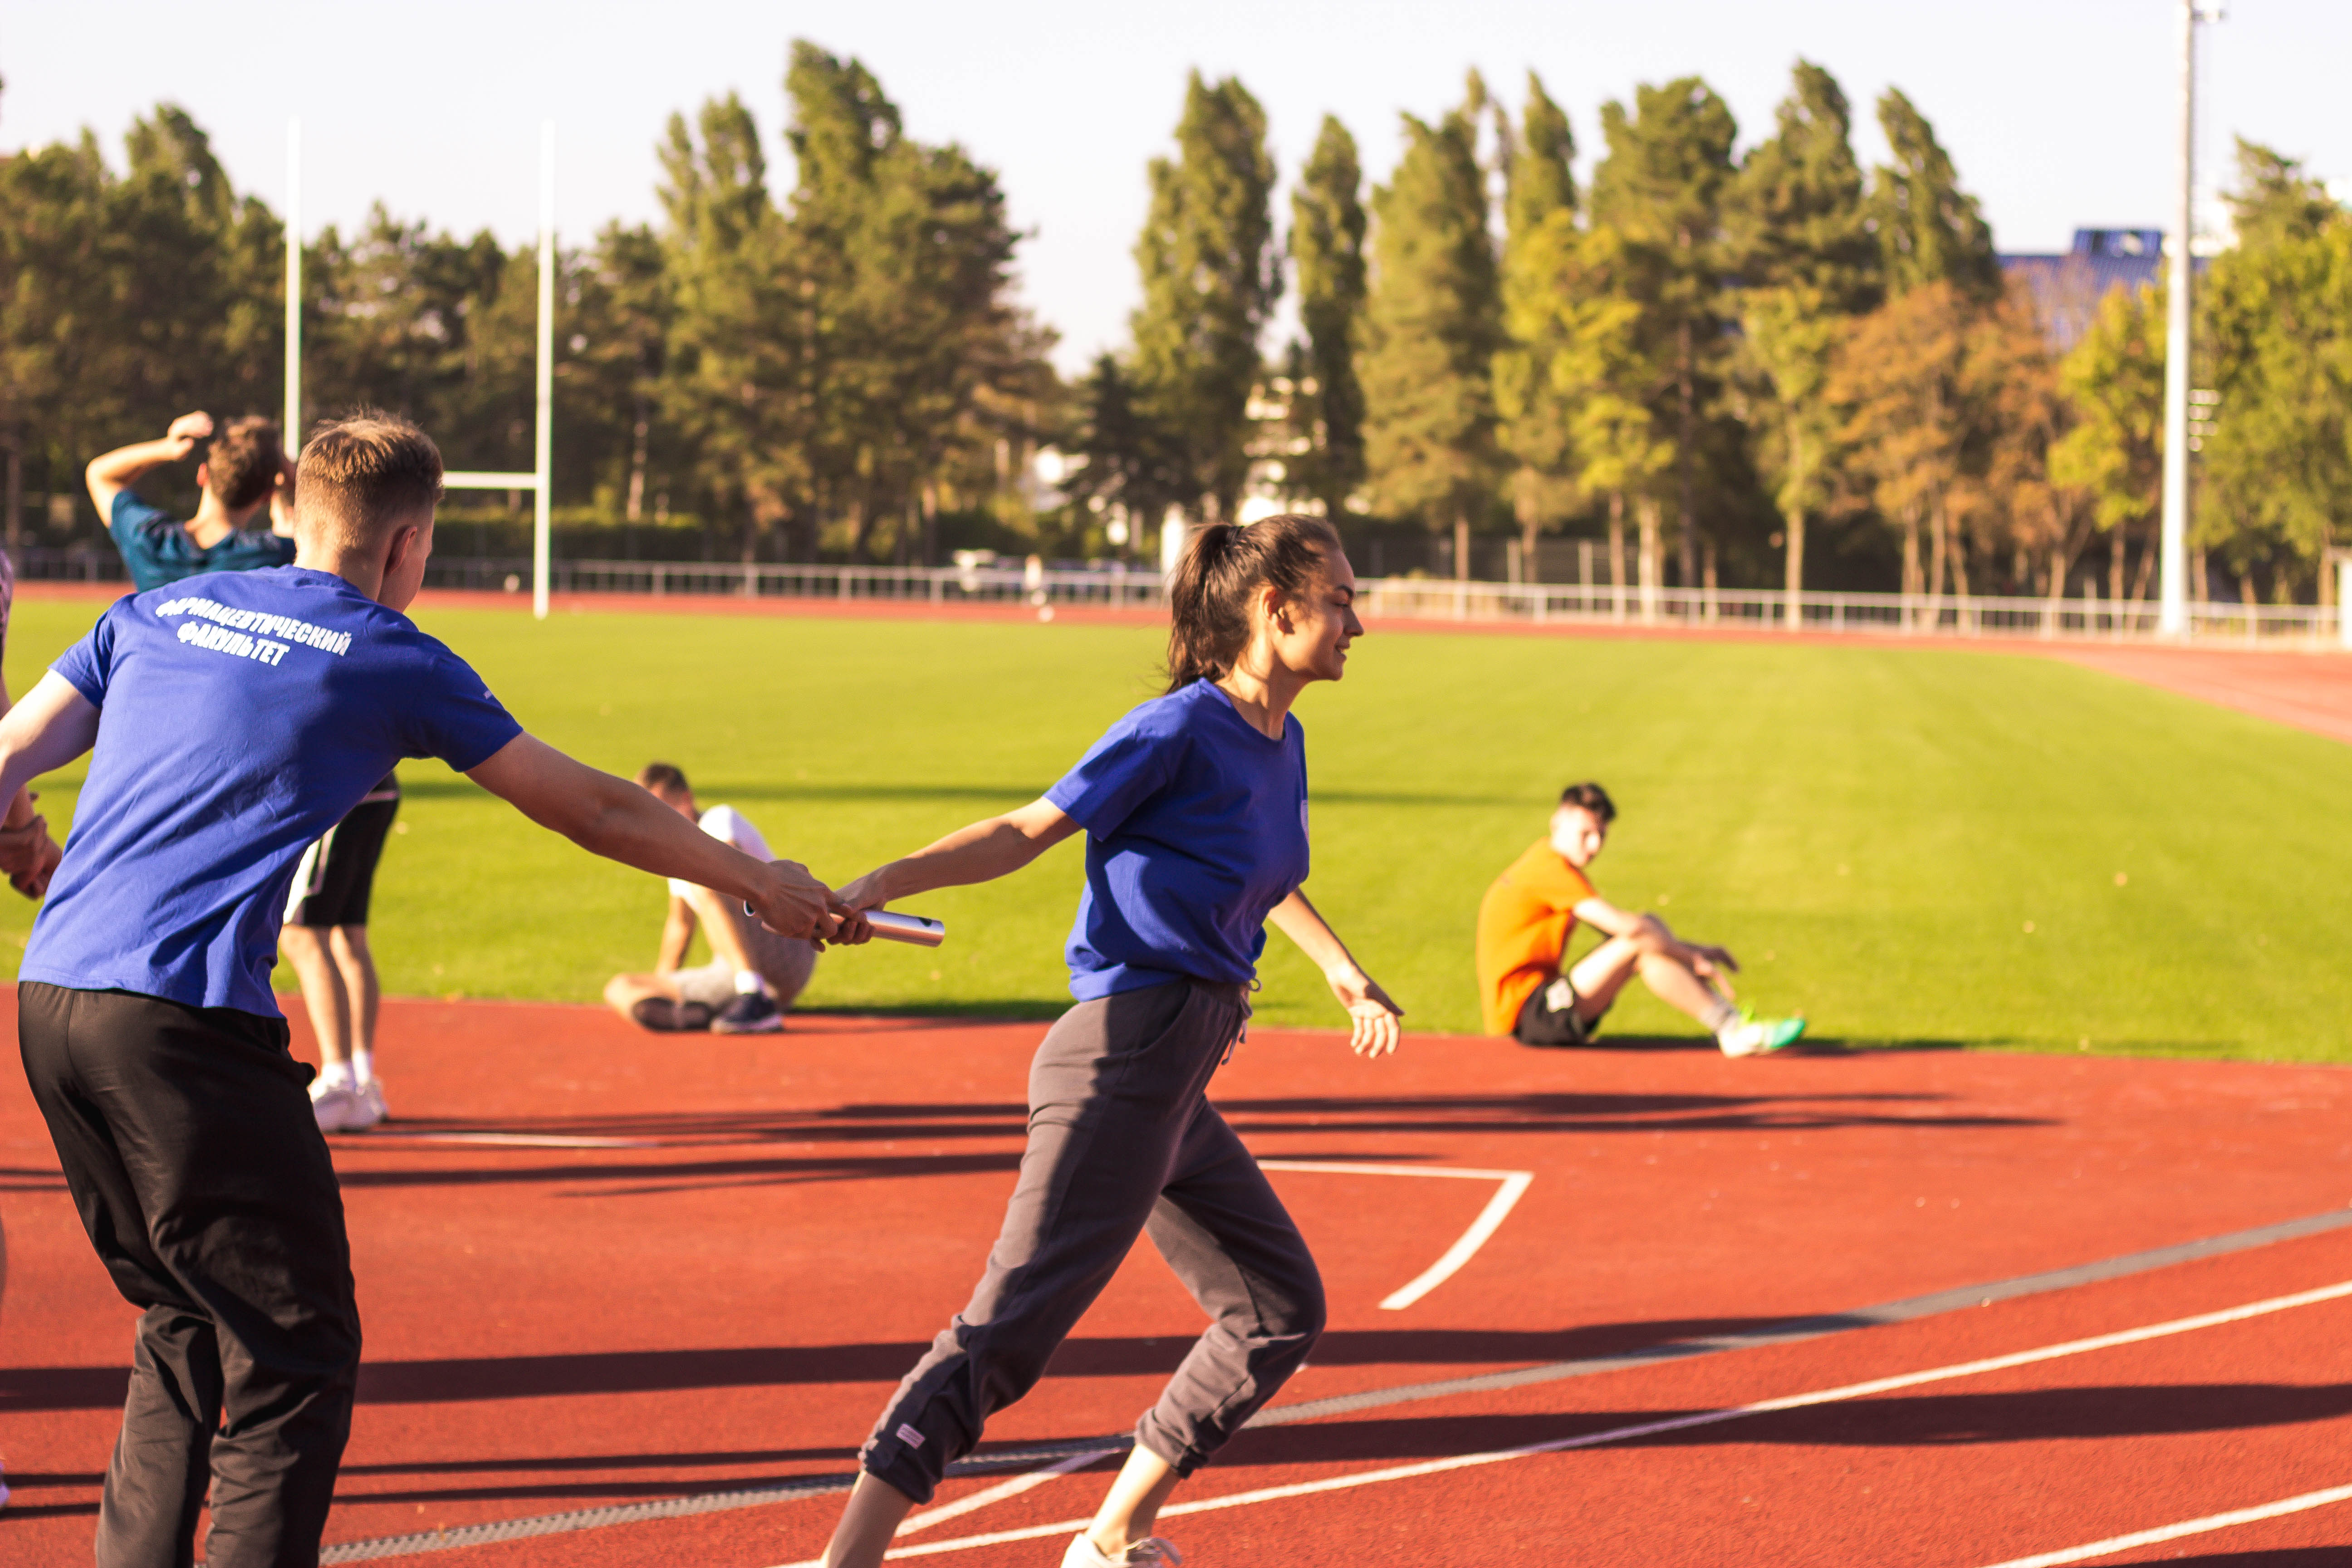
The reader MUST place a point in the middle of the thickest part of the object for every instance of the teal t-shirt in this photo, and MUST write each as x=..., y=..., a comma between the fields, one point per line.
x=158, y=550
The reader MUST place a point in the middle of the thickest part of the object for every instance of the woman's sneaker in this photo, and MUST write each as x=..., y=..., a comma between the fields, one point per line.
x=751, y=1013
x=346, y=1107
x=1085, y=1553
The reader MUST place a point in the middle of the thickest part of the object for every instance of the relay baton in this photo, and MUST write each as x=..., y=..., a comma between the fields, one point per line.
x=890, y=927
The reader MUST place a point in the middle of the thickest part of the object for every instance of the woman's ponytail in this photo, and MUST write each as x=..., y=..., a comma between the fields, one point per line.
x=1222, y=565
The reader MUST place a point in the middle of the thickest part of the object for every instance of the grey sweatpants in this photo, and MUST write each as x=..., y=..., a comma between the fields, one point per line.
x=1122, y=1140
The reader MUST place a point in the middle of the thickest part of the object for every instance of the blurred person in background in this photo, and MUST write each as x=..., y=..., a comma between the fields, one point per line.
x=753, y=974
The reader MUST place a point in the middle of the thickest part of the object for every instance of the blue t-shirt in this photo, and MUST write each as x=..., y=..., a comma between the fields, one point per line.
x=158, y=550
x=239, y=718
x=1196, y=828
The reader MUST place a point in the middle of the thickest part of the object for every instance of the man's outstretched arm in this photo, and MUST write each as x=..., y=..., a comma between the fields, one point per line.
x=612, y=818
x=110, y=475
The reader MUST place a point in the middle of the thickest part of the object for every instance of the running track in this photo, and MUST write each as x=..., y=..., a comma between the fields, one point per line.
x=607, y=1269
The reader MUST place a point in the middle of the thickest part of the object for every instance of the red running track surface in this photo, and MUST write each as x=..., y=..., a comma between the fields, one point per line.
x=727, y=1298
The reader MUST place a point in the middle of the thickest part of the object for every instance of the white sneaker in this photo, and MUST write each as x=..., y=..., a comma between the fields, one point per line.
x=1085, y=1553
x=344, y=1108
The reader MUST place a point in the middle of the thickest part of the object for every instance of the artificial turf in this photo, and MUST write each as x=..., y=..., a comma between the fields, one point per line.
x=1913, y=847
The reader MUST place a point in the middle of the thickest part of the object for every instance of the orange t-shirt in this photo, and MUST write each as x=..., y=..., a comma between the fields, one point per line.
x=1524, y=923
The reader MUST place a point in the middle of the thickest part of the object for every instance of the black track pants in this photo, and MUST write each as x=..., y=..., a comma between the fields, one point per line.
x=194, y=1159
x=1122, y=1141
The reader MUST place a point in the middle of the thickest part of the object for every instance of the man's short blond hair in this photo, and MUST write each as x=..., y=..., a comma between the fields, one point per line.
x=362, y=476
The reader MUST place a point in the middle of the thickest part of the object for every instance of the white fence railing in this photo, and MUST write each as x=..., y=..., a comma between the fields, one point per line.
x=1418, y=598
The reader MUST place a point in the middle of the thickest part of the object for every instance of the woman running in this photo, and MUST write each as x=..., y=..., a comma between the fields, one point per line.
x=1194, y=807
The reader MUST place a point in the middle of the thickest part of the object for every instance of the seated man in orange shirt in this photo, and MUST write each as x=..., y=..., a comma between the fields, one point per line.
x=1524, y=923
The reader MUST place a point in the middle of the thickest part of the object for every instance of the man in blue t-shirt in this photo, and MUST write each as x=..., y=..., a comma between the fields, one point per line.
x=231, y=721
x=245, y=466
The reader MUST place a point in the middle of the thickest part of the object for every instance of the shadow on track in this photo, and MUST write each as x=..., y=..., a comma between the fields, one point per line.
x=1365, y=1114
x=1930, y=1420
x=464, y=1379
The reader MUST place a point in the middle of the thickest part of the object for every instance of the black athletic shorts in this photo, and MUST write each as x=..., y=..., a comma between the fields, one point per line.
x=338, y=873
x=1543, y=1021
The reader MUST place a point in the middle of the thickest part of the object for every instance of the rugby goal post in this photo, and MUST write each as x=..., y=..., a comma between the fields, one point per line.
x=538, y=480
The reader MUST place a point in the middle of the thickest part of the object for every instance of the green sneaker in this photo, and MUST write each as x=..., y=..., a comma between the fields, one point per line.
x=1755, y=1037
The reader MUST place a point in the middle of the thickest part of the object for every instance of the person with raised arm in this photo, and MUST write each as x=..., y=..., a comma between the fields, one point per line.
x=1194, y=807
x=231, y=719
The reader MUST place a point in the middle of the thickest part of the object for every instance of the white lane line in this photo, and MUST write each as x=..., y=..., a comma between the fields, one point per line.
x=2114, y=1544
x=508, y=1140
x=1002, y=1491
x=1490, y=1218
x=1679, y=1422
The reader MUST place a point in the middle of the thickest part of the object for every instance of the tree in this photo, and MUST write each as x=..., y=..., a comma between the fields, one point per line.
x=741, y=383
x=1930, y=230
x=1661, y=185
x=1432, y=328
x=2114, y=380
x=1800, y=242
x=909, y=253
x=1902, y=373
x=1326, y=245
x=1211, y=273
x=2278, y=314
x=1536, y=419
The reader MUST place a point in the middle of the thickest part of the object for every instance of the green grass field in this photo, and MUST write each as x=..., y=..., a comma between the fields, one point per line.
x=1911, y=847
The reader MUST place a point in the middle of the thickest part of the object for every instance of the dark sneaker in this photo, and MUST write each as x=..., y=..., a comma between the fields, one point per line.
x=664, y=1016
x=751, y=1013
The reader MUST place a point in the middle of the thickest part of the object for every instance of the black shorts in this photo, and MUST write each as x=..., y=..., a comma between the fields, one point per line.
x=337, y=873
x=1549, y=1018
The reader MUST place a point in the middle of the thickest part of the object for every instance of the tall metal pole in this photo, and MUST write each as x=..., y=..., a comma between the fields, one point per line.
x=541, y=461
x=2172, y=613
x=293, y=425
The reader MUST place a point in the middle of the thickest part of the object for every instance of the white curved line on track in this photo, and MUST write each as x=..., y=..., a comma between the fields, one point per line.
x=1489, y=1220
x=2157, y=1537
x=1711, y=1418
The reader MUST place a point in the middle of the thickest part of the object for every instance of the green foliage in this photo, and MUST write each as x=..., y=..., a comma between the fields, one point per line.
x=2114, y=377
x=1930, y=230
x=1663, y=186
x=1803, y=248
x=1326, y=246
x=1886, y=823
x=849, y=354
x=2278, y=316
x=1211, y=272
x=1532, y=398
x=1433, y=325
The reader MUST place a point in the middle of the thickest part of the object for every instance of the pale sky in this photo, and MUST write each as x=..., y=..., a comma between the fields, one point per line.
x=2059, y=112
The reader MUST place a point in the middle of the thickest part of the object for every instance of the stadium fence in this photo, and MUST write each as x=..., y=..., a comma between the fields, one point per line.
x=2219, y=624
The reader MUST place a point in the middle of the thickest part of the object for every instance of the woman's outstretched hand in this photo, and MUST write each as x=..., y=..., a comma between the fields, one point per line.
x=1372, y=1014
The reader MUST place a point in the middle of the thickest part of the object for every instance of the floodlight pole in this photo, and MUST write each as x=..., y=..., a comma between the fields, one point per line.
x=541, y=458
x=293, y=425
x=2172, y=610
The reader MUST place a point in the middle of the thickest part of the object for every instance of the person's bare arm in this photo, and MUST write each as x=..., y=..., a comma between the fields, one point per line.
x=612, y=818
x=678, y=935
x=980, y=853
x=1704, y=960
x=110, y=475
x=1371, y=1015
x=28, y=854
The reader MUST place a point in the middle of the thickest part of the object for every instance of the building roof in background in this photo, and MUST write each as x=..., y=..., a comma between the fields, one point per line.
x=2067, y=287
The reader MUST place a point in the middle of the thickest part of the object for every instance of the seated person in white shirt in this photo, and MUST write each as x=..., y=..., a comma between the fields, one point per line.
x=753, y=974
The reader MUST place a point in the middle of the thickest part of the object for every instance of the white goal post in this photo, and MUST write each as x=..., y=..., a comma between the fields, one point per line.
x=538, y=480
